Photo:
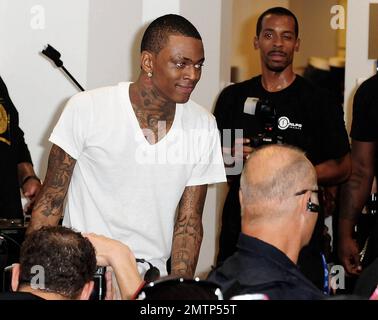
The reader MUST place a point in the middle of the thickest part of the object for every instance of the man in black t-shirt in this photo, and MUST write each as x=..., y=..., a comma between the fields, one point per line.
x=16, y=168
x=306, y=118
x=355, y=192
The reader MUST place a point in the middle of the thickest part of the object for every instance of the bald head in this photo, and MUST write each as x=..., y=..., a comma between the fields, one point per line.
x=271, y=177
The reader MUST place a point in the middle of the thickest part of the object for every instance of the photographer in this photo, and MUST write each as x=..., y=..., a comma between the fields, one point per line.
x=306, y=118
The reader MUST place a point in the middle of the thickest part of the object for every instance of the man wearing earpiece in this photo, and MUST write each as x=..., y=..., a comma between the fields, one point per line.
x=305, y=117
x=279, y=201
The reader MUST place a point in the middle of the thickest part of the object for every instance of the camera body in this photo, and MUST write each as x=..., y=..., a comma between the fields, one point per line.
x=265, y=113
x=99, y=288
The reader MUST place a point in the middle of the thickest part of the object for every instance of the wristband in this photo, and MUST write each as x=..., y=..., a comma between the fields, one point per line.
x=26, y=179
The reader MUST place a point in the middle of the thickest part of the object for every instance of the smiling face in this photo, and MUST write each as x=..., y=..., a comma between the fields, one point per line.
x=177, y=68
x=277, y=42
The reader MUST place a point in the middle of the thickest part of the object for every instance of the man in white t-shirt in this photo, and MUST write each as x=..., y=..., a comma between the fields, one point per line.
x=129, y=155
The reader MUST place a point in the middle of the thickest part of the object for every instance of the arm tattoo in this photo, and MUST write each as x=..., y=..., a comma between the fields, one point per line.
x=188, y=231
x=58, y=176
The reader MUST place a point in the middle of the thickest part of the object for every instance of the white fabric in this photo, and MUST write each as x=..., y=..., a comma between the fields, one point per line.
x=123, y=187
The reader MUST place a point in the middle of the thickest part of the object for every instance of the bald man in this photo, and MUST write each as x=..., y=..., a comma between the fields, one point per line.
x=279, y=202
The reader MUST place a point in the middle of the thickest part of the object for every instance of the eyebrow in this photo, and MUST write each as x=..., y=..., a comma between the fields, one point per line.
x=188, y=59
x=286, y=31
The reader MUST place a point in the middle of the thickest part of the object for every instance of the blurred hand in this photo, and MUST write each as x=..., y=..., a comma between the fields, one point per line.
x=31, y=188
x=349, y=256
x=110, y=292
x=238, y=153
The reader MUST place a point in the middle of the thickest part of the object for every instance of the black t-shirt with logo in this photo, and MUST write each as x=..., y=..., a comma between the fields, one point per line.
x=13, y=150
x=307, y=118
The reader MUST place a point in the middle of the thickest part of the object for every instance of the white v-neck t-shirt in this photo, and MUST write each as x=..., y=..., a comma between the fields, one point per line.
x=122, y=186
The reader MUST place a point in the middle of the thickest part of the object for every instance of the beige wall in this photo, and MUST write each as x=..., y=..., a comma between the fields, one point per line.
x=317, y=37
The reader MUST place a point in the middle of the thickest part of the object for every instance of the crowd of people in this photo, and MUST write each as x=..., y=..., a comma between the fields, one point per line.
x=132, y=214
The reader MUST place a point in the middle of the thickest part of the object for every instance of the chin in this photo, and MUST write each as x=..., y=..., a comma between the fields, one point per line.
x=182, y=99
x=276, y=68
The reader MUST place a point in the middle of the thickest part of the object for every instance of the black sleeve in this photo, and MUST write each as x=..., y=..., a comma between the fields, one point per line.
x=364, y=123
x=21, y=150
x=333, y=141
x=224, y=113
x=339, y=141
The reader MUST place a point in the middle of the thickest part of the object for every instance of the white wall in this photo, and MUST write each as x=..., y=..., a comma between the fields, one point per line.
x=113, y=41
x=37, y=89
x=317, y=37
x=358, y=66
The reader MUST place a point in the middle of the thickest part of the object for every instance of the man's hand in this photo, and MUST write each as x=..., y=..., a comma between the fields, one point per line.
x=239, y=152
x=349, y=256
x=30, y=190
x=120, y=258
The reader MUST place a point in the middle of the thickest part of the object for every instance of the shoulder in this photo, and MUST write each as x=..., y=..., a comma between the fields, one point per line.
x=93, y=97
x=193, y=109
x=369, y=86
x=313, y=96
x=237, y=88
x=99, y=92
x=307, y=85
x=195, y=115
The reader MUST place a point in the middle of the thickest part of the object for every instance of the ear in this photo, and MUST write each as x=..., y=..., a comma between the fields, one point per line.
x=297, y=45
x=15, y=276
x=87, y=290
x=256, y=43
x=146, y=61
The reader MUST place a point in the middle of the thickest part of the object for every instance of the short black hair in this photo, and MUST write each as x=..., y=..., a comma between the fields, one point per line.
x=67, y=258
x=278, y=11
x=156, y=35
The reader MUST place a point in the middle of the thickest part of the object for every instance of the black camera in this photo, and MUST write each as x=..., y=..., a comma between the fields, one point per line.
x=99, y=288
x=265, y=113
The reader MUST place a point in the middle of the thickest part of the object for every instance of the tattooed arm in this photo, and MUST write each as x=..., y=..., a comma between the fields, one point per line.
x=48, y=208
x=188, y=231
x=354, y=194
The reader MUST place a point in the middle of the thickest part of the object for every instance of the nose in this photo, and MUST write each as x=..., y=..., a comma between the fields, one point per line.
x=192, y=73
x=277, y=41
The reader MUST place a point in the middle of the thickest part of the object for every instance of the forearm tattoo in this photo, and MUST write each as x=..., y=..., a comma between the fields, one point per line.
x=188, y=231
x=55, y=186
